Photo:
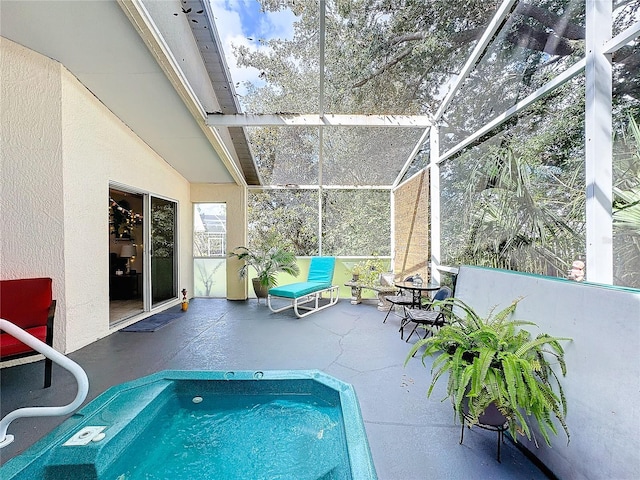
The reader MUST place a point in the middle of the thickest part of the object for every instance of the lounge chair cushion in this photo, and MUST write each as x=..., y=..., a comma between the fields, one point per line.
x=301, y=294
x=320, y=277
x=297, y=290
x=321, y=270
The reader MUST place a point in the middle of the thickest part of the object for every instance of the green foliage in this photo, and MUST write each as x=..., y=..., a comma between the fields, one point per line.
x=520, y=193
x=626, y=206
x=267, y=262
x=288, y=218
x=163, y=218
x=370, y=270
x=356, y=222
x=393, y=57
x=494, y=360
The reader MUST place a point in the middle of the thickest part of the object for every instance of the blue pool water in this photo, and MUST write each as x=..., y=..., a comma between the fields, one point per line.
x=224, y=425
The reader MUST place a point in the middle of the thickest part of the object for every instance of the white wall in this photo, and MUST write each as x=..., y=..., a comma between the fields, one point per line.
x=65, y=149
x=602, y=385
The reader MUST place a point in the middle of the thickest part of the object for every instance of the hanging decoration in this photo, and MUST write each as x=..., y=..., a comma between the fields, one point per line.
x=122, y=219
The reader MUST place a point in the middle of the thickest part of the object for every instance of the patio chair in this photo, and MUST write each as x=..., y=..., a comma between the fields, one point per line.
x=27, y=303
x=401, y=298
x=429, y=317
x=300, y=294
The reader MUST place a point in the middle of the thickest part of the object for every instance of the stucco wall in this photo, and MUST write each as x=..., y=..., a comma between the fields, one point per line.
x=603, y=364
x=31, y=187
x=65, y=149
x=236, y=199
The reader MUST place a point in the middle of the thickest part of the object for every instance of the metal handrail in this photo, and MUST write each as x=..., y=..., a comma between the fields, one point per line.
x=55, y=356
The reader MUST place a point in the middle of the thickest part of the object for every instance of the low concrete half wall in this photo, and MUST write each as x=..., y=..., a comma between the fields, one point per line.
x=602, y=385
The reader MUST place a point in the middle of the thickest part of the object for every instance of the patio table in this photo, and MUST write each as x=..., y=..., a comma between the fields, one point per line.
x=417, y=290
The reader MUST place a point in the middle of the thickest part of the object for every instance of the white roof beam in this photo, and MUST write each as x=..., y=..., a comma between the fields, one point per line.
x=412, y=155
x=622, y=38
x=564, y=77
x=479, y=49
x=305, y=120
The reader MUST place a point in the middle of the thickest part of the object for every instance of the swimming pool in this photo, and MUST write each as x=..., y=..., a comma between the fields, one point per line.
x=224, y=425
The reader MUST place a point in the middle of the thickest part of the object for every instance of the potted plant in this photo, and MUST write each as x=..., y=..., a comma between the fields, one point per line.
x=267, y=263
x=493, y=362
x=369, y=271
x=355, y=272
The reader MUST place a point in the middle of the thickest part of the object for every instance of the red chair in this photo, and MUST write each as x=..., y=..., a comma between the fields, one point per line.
x=27, y=303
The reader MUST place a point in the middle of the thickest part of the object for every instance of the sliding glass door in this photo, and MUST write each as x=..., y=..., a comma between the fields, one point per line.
x=126, y=254
x=163, y=243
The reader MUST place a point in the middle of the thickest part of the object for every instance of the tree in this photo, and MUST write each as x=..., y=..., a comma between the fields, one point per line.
x=400, y=57
x=520, y=193
x=626, y=207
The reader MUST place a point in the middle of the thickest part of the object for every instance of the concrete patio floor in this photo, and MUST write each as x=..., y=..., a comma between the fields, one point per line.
x=410, y=436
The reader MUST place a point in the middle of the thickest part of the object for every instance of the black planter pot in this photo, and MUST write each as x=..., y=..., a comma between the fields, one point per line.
x=260, y=290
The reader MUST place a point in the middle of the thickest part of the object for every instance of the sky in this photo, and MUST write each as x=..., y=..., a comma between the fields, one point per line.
x=240, y=22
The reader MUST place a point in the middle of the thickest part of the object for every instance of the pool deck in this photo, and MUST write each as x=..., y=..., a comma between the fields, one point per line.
x=411, y=436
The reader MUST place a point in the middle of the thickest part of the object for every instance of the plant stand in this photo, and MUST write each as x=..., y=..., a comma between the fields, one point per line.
x=383, y=304
x=491, y=420
x=356, y=292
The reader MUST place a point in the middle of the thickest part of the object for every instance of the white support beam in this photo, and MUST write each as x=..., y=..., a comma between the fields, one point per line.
x=434, y=195
x=305, y=120
x=518, y=107
x=477, y=52
x=622, y=38
x=321, y=40
x=598, y=138
x=412, y=155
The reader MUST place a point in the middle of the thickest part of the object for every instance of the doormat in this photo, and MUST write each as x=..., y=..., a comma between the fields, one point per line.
x=152, y=323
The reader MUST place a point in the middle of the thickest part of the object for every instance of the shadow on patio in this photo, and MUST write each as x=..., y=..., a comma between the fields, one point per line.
x=411, y=436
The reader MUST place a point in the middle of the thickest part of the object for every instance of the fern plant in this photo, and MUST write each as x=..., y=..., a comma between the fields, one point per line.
x=494, y=360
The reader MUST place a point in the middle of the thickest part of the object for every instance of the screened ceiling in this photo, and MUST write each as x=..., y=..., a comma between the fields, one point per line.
x=377, y=65
x=522, y=110
x=375, y=73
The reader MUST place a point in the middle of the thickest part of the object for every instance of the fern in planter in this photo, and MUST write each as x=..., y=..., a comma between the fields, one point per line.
x=494, y=360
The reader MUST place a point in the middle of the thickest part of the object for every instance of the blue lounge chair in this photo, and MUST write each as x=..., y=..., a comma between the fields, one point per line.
x=301, y=293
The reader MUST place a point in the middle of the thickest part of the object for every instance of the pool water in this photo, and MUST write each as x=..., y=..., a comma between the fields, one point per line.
x=250, y=437
x=293, y=425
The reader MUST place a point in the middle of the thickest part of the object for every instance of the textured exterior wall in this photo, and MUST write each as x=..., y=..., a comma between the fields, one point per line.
x=236, y=199
x=63, y=148
x=31, y=187
x=99, y=149
x=411, y=233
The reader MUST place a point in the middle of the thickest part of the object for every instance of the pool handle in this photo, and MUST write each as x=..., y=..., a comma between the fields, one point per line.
x=66, y=363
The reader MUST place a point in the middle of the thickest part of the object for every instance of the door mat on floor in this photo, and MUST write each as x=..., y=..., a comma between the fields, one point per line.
x=152, y=323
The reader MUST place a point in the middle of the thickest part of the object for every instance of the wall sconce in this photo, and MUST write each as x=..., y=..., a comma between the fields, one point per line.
x=127, y=252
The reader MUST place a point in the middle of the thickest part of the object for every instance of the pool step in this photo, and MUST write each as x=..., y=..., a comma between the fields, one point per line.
x=136, y=408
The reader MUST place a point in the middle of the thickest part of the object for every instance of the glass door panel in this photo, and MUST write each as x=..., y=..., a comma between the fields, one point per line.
x=126, y=260
x=163, y=261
